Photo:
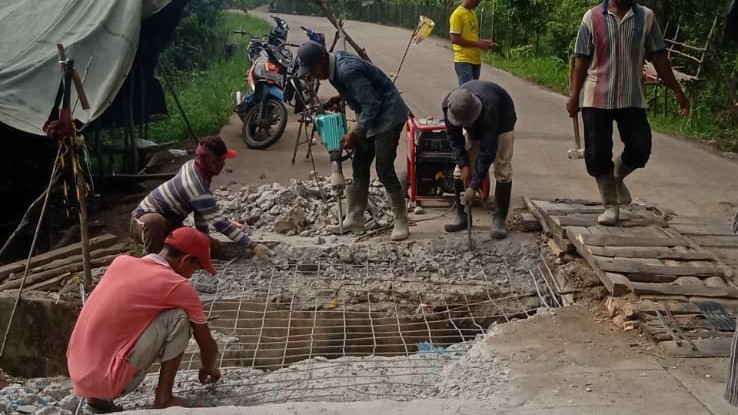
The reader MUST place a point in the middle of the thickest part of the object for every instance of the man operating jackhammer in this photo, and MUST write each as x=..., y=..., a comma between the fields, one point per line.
x=381, y=114
x=164, y=209
x=487, y=113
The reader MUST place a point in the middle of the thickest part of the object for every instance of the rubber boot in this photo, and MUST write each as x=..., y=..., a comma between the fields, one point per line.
x=502, y=206
x=401, y=230
x=357, y=199
x=459, y=223
x=622, y=170
x=607, y=184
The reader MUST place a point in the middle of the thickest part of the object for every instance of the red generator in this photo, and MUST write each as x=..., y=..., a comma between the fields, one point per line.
x=431, y=162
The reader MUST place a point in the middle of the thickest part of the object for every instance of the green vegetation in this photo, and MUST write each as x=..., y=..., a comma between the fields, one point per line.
x=206, y=84
x=536, y=38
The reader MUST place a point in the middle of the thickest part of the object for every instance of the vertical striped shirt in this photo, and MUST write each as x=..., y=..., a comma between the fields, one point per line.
x=186, y=192
x=617, y=48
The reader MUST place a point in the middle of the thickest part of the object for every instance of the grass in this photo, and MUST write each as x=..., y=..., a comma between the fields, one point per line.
x=553, y=73
x=208, y=97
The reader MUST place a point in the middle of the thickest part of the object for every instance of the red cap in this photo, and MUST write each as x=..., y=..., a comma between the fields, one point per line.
x=218, y=147
x=192, y=242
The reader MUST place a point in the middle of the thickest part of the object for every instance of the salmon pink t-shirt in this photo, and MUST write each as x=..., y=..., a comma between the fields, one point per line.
x=130, y=295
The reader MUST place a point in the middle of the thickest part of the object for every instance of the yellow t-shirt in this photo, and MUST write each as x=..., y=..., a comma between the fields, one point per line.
x=464, y=22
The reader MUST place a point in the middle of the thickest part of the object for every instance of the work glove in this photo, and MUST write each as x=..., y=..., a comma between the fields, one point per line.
x=262, y=252
x=469, y=195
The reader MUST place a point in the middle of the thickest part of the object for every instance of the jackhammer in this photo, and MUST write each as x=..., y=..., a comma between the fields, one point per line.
x=332, y=126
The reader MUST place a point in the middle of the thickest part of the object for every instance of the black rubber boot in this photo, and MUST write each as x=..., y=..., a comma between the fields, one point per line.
x=498, y=230
x=459, y=223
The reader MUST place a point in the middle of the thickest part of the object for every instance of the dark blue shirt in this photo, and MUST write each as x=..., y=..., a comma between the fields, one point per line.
x=369, y=92
x=497, y=117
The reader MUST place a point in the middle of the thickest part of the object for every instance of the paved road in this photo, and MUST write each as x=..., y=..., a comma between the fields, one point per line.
x=681, y=176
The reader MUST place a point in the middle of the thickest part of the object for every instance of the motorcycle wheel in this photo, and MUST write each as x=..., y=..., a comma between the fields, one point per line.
x=261, y=134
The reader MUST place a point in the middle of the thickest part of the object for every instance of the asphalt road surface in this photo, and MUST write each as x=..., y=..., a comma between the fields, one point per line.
x=686, y=177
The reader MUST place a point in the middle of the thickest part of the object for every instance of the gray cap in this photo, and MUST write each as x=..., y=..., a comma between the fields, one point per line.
x=463, y=108
x=309, y=54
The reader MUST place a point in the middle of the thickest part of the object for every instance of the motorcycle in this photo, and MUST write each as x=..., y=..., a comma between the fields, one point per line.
x=262, y=110
x=301, y=93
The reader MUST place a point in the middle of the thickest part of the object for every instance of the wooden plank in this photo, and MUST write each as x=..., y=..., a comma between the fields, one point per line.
x=645, y=266
x=50, y=283
x=101, y=241
x=555, y=248
x=678, y=252
x=703, y=229
x=616, y=284
x=567, y=208
x=43, y=276
x=62, y=262
x=676, y=307
x=687, y=290
x=716, y=241
x=610, y=240
x=717, y=347
x=535, y=211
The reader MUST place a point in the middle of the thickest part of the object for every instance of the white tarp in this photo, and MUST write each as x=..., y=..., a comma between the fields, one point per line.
x=103, y=33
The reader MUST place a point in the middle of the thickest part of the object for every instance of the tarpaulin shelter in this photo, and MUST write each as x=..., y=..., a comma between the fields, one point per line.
x=115, y=45
x=103, y=37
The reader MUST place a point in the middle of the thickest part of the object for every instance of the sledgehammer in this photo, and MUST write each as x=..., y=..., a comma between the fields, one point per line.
x=578, y=152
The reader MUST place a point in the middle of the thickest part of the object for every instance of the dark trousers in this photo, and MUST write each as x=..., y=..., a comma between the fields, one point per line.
x=635, y=133
x=383, y=147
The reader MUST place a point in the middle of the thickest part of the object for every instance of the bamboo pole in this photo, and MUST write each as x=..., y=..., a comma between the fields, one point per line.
x=332, y=18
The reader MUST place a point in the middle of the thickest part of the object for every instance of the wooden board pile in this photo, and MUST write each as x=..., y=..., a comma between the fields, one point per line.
x=51, y=269
x=675, y=275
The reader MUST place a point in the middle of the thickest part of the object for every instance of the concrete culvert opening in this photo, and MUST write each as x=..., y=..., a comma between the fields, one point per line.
x=327, y=330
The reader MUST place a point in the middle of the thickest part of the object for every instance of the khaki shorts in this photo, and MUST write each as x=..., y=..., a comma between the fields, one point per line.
x=151, y=229
x=503, y=160
x=165, y=339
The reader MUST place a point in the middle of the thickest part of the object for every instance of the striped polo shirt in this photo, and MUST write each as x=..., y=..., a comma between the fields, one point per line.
x=618, y=48
x=186, y=192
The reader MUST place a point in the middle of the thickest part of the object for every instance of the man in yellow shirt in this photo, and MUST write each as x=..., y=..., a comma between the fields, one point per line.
x=467, y=46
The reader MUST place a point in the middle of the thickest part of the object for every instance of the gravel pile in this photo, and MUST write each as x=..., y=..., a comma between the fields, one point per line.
x=503, y=267
x=304, y=208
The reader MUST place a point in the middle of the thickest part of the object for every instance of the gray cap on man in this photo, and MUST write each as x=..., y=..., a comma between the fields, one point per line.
x=463, y=108
x=309, y=54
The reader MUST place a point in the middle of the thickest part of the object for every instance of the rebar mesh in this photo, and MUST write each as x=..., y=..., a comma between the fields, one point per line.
x=328, y=331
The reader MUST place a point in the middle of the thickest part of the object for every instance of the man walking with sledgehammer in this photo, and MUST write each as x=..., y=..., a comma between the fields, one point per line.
x=487, y=113
x=614, y=39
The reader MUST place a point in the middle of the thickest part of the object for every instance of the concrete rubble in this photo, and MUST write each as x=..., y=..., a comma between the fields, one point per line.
x=304, y=207
x=438, y=374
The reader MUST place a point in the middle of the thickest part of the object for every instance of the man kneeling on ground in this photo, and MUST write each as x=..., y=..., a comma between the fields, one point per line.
x=142, y=311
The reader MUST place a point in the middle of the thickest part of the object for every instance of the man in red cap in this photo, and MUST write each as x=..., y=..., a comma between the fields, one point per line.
x=164, y=209
x=143, y=310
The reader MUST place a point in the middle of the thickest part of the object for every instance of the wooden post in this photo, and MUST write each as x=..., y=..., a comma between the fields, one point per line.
x=75, y=165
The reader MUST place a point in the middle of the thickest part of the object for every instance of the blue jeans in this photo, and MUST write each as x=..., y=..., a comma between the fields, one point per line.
x=466, y=72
